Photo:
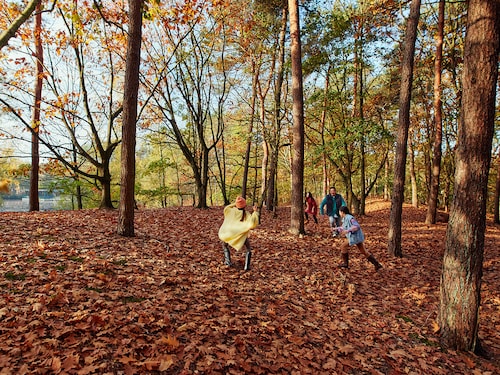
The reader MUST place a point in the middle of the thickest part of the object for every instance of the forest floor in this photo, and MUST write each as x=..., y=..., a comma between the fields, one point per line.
x=76, y=298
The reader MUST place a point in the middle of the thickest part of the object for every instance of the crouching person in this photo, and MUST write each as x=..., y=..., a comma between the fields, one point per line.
x=352, y=230
x=235, y=229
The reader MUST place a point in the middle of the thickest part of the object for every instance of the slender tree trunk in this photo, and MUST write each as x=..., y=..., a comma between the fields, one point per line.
x=496, y=201
x=362, y=182
x=413, y=176
x=386, y=180
x=34, y=204
x=276, y=136
x=127, y=201
x=297, y=213
x=250, y=129
x=76, y=177
x=324, y=158
x=460, y=292
x=432, y=204
x=394, y=243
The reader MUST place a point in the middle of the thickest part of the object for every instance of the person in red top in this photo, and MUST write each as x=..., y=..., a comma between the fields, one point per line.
x=311, y=207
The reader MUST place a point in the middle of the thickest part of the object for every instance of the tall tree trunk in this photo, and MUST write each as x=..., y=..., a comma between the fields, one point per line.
x=362, y=182
x=386, y=180
x=413, y=176
x=496, y=200
x=276, y=134
x=394, y=243
x=432, y=203
x=34, y=204
x=76, y=177
x=250, y=130
x=297, y=213
x=127, y=202
x=460, y=291
x=324, y=156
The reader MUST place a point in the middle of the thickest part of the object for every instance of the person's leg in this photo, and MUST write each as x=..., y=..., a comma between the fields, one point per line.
x=248, y=255
x=332, y=221
x=333, y=224
x=368, y=256
x=338, y=222
x=344, y=253
x=227, y=254
x=315, y=219
x=307, y=217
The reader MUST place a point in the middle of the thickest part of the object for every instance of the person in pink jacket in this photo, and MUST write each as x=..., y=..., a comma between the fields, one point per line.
x=235, y=229
x=311, y=207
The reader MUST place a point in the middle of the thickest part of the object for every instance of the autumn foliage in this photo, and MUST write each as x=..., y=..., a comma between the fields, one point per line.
x=77, y=298
x=4, y=186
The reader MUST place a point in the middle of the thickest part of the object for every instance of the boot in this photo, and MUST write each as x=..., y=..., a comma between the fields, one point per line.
x=248, y=256
x=374, y=261
x=227, y=255
x=345, y=261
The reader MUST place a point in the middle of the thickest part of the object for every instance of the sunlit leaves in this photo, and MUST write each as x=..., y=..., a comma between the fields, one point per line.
x=77, y=298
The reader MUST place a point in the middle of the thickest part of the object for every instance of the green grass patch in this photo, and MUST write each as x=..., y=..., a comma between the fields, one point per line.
x=405, y=318
x=132, y=299
x=61, y=267
x=15, y=276
x=424, y=340
x=75, y=259
x=120, y=262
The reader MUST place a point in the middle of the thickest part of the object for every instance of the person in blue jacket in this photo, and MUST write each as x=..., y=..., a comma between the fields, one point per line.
x=354, y=234
x=333, y=202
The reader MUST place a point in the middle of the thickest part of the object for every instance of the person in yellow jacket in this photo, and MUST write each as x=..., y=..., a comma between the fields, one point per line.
x=235, y=229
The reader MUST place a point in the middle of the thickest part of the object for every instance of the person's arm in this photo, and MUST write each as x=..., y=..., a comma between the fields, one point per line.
x=323, y=202
x=354, y=226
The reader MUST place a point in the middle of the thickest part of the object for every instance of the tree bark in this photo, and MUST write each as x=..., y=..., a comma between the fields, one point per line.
x=248, y=149
x=394, y=243
x=127, y=203
x=432, y=203
x=413, y=175
x=22, y=18
x=34, y=204
x=496, y=201
x=460, y=290
x=276, y=132
x=297, y=213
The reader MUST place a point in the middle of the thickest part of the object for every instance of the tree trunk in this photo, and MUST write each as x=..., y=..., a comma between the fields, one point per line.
x=297, y=213
x=34, y=204
x=105, y=181
x=460, y=290
x=324, y=157
x=394, y=243
x=127, y=201
x=496, y=201
x=413, y=176
x=250, y=130
x=432, y=204
x=272, y=192
x=22, y=18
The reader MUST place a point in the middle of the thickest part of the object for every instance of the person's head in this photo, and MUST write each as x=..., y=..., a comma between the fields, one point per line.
x=343, y=210
x=240, y=203
x=309, y=194
x=333, y=191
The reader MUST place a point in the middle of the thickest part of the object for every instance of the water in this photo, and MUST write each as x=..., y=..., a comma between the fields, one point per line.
x=23, y=205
